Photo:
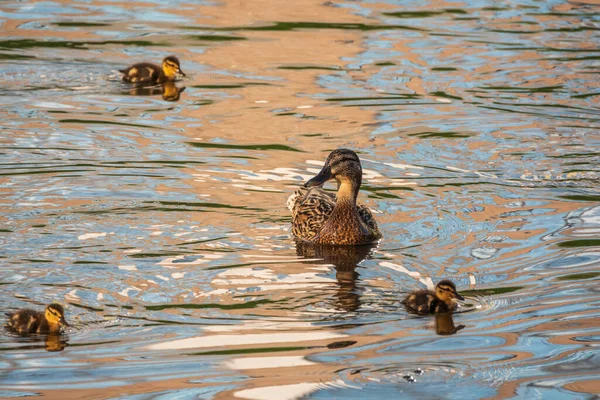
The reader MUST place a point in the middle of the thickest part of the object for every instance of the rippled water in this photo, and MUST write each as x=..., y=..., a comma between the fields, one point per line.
x=161, y=223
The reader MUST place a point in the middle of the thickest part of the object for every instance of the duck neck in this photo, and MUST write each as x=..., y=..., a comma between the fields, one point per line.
x=348, y=190
x=345, y=210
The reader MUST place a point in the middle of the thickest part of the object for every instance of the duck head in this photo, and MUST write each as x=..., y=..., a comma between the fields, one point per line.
x=55, y=315
x=343, y=165
x=446, y=291
x=171, y=67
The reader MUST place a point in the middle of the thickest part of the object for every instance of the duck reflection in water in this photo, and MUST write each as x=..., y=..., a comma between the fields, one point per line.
x=168, y=90
x=56, y=342
x=345, y=259
x=444, y=324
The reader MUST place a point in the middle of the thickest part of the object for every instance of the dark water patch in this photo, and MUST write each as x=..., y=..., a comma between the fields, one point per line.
x=446, y=95
x=370, y=188
x=52, y=171
x=586, y=58
x=576, y=277
x=75, y=24
x=424, y=14
x=163, y=163
x=6, y=230
x=86, y=307
x=280, y=147
x=293, y=26
x=539, y=114
x=385, y=64
x=381, y=98
x=562, y=14
x=205, y=205
x=394, y=104
x=239, y=306
x=585, y=95
x=310, y=67
x=36, y=260
x=216, y=38
x=158, y=255
x=518, y=89
x=580, y=243
x=247, y=351
x=83, y=45
x=444, y=69
x=218, y=86
x=576, y=155
x=201, y=241
x=101, y=122
x=580, y=109
x=203, y=103
x=140, y=175
x=445, y=135
x=490, y=291
x=6, y=56
x=89, y=262
x=581, y=197
x=288, y=114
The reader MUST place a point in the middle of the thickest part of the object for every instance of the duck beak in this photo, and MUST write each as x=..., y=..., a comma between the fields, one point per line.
x=64, y=322
x=321, y=178
x=180, y=72
x=458, y=296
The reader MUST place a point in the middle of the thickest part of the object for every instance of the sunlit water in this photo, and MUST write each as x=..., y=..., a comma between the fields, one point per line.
x=162, y=225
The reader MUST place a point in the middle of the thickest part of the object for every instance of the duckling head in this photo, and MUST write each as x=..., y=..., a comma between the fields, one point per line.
x=171, y=68
x=55, y=315
x=446, y=291
x=343, y=165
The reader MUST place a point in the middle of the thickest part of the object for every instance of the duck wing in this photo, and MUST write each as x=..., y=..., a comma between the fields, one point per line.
x=367, y=216
x=24, y=321
x=141, y=73
x=310, y=210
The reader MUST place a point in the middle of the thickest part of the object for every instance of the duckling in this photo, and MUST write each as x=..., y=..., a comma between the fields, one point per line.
x=428, y=302
x=319, y=217
x=152, y=73
x=31, y=321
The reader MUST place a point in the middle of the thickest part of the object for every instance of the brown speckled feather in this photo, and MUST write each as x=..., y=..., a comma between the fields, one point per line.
x=311, y=209
x=27, y=321
x=143, y=73
x=424, y=302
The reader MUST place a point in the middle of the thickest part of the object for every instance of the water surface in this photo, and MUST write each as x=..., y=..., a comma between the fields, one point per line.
x=159, y=220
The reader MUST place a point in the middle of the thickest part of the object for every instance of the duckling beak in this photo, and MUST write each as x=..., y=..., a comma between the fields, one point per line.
x=64, y=322
x=458, y=296
x=321, y=178
x=180, y=72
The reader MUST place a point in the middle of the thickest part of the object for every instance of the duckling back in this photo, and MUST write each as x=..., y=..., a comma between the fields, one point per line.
x=142, y=73
x=424, y=302
x=27, y=321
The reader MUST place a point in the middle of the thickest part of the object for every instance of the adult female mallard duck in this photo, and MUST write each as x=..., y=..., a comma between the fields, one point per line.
x=152, y=73
x=432, y=302
x=319, y=217
x=31, y=321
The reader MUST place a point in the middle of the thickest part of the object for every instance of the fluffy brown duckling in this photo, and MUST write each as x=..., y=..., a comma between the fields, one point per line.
x=31, y=321
x=152, y=73
x=432, y=302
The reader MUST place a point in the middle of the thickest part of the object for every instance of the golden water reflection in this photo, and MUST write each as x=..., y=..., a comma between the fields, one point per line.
x=163, y=224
